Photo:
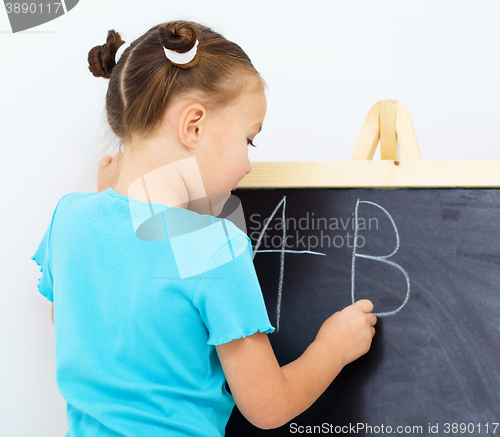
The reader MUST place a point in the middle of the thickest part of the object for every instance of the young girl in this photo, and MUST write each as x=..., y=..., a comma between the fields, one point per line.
x=151, y=327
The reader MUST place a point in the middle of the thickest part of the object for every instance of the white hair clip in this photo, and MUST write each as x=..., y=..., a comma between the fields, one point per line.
x=120, y=51
x=181, y=58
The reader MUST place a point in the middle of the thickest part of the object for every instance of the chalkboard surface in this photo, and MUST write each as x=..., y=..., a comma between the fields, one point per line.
x=429, y=259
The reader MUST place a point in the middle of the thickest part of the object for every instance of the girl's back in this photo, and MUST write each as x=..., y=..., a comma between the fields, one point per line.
x=134, y=355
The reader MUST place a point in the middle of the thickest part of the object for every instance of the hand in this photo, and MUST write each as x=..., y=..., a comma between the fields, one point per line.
x=109, y=171
x=349, y=332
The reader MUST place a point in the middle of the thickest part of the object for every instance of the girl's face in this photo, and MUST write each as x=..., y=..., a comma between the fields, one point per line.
x=223, y=160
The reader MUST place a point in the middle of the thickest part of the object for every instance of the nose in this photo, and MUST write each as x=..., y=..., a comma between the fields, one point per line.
x=249, y=167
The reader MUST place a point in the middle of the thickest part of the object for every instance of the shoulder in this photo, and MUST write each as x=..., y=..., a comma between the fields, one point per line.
x=234, y=231
x=234, y=236
x=235, y=243
x=76, y=196
x=74, y=199
x=73, y=206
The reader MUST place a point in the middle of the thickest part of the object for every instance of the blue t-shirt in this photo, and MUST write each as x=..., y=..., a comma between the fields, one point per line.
x=139, y=305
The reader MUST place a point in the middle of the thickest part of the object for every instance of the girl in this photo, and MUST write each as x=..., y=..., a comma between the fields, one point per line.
x=149, y=330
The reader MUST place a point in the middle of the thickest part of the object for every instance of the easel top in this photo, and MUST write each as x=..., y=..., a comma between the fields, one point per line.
x=389, y=123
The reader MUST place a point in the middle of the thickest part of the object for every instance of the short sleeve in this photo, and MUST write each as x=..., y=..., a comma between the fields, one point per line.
x=229, y=297
x=41, y=257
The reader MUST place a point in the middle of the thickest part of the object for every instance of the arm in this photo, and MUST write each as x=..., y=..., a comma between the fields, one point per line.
x=269, y=395
x=52, y=313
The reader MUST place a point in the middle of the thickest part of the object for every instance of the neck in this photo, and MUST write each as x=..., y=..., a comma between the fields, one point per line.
x=151, y=175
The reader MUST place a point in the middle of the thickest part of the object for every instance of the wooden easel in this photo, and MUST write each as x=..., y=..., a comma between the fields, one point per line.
x=389, y=122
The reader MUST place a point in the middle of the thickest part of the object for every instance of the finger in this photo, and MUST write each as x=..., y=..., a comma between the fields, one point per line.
x=364, y=305
x=105, y=161
x=372, y=319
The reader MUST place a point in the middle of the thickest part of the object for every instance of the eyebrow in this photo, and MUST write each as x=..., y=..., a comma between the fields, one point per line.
x=259, y=128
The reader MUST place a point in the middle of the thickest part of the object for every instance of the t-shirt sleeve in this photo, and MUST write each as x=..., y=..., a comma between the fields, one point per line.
x=229, y=297
x=41, y=257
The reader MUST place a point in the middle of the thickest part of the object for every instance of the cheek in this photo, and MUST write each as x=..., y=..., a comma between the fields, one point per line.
x=232, y=161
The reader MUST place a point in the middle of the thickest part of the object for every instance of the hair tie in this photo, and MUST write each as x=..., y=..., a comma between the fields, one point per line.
x=181, y=58
x=120, y=51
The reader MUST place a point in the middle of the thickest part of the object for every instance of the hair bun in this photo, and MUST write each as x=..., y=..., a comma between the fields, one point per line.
x=102, y=58
x=178, y=35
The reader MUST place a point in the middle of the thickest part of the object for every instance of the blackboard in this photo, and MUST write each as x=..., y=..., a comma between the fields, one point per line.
x=435, y=357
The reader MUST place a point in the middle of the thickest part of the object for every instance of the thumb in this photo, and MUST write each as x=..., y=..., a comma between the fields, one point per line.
x=364, y=305
x=105, y=161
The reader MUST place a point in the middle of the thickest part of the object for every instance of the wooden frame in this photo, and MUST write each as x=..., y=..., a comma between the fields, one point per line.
x=389, y=122
x=373, y=174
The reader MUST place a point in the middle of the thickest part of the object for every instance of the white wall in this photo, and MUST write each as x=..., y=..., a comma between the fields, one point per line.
x=326, y=63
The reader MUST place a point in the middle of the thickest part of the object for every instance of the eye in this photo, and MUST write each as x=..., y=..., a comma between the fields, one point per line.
x=249, y=142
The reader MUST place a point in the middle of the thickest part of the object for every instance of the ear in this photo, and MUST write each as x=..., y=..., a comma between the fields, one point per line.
x=191, y=124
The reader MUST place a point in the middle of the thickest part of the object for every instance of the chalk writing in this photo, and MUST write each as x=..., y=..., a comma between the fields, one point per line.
x=282, y=259
x=381, y=258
